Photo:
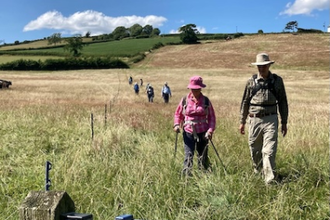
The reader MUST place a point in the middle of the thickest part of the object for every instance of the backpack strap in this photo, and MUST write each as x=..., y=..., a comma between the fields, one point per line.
x=206, y=104
x=257, y=86
x=272, y=87
x=192, y=123
x=184, y=105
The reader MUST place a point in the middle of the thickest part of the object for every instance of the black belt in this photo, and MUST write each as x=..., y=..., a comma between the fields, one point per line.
x=260, y=115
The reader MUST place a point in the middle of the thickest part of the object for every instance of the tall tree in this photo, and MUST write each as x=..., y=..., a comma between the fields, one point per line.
x=74, y=45
x=188, y=34
x=120, y=32
x=135, y=30
x=88, y=34
x=292, y=25
x=155, y=32
x=147, y=30
x=55, y=38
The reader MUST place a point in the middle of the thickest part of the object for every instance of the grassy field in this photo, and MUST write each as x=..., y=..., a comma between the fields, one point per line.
x=35, y=44
x=10, y=58
x=129, y=165
x=123, y=48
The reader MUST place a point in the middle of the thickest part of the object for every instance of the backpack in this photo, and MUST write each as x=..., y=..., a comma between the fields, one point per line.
x=206, y=104
x=150, y=90
x=269, y=86
x=136, y=87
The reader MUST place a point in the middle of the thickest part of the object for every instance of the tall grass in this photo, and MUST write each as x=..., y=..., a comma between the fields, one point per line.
x=129, y=166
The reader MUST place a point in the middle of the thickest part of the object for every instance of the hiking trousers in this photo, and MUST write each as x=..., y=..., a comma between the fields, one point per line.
x=166, y=97
x=150, y=97
x=263, y=134
x=190, y=145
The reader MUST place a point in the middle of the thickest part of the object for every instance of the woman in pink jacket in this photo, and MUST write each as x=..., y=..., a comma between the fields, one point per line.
x=196, y=116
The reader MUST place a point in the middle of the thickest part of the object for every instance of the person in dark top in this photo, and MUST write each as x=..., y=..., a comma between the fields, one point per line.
x=264, y=96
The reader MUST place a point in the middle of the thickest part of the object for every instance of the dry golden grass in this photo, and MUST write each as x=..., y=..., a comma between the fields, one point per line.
x=303, y=52
x=225, y=71
x=96, y=88
x=302, y=61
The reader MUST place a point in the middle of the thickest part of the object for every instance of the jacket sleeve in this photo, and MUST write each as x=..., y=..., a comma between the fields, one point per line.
x=282, y=102
x=245, y=104
x=211, y=118
x=178, y=116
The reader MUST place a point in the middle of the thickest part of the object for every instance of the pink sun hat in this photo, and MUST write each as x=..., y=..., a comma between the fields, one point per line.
x=196, y=82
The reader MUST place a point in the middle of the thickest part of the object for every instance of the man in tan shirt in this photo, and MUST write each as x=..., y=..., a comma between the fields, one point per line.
x=263, y=97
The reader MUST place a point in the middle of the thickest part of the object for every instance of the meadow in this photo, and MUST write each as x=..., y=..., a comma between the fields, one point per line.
x=124, y=48
x=128, y=166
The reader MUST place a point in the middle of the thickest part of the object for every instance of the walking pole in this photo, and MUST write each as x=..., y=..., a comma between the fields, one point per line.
x=224, y=168
x=176, y=143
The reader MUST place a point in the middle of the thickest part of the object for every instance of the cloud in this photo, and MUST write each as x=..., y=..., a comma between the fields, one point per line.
x=174, y=31
x=305, y=7
x=201, y=30
x=93, y=21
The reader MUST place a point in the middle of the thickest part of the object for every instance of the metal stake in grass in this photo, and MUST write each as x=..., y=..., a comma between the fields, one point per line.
x=47, y=180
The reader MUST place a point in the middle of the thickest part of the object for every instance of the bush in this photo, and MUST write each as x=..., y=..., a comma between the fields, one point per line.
x=301, y=30
x=21, y=65
x=138, y=58
x=65, y=64
x=158, y=45
x=237, y=35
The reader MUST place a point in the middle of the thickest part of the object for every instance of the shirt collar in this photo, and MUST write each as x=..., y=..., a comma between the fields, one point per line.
x=270, y=77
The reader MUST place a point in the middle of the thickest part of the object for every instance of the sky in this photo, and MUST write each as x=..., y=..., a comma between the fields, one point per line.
x=38, y=19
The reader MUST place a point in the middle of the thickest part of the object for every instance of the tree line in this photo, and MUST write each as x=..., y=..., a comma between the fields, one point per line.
x=293, y=25
x=135, y=31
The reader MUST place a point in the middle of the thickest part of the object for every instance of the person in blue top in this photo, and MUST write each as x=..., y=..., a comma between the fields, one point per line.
x=166, y=92
x=136, y=88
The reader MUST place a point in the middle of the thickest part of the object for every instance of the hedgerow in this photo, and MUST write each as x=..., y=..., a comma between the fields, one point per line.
x=65, y=64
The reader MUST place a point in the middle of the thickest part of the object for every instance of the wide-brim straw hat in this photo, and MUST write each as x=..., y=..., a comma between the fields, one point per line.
x=262, y=59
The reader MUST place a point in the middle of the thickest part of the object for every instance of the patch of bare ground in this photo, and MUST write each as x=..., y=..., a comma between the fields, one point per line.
x=300, y=52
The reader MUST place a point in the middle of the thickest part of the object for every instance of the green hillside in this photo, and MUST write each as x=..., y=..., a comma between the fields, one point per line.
x=122, y=48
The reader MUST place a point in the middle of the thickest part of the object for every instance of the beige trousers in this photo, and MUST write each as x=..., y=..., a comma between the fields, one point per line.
x=263, y=134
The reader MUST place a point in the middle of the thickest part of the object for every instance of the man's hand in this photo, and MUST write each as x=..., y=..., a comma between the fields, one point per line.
x=242, y=128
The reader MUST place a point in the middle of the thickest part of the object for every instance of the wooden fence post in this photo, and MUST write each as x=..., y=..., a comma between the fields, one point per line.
x=92, y=126
x=105, y=115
